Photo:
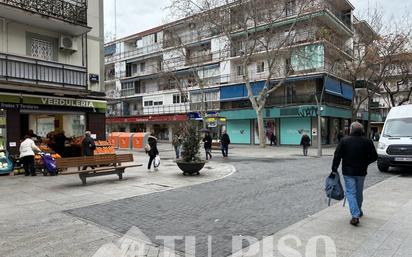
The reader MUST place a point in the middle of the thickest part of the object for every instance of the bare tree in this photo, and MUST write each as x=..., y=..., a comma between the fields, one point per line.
x=397, y=82
x=251, y=31
x=376, y=48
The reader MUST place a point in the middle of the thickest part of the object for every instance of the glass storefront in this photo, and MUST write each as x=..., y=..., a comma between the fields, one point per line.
x=73, y=125
x=270, y=127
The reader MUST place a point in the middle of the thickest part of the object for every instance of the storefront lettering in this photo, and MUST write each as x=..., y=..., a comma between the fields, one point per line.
x=308, y=111
x=67, y=102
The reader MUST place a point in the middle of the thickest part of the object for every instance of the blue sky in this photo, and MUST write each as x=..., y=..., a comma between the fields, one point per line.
x=135, y=16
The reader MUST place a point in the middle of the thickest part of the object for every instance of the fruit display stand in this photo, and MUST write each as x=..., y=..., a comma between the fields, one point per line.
x=103, y=147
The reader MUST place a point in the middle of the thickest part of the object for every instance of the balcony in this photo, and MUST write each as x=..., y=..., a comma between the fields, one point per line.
x=165, y=109
x=68, y=17
x=32, y=71
x=135, y=53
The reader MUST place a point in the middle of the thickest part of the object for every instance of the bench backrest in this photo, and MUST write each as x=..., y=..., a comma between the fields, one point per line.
x=124, y=158
x=106, y=159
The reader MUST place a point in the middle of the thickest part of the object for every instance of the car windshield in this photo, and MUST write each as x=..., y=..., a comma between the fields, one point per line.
x=398, y=128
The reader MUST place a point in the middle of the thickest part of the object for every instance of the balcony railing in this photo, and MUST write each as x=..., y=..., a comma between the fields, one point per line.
x=74, y=11
x=134, y=53
x=34, y=71
x=165, y=109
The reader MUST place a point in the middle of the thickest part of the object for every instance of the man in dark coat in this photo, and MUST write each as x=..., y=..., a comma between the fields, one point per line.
x=340, y=136
x=153, y=152
x=356, y=153
x=88, y=146
x=273, y=139
x=225, y=142
x=207, y=140
x=305, y=143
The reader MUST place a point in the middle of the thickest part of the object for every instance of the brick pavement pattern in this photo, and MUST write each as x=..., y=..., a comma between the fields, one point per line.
x=265, y=196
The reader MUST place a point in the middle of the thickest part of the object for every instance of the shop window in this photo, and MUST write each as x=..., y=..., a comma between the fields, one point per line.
x=260, y=67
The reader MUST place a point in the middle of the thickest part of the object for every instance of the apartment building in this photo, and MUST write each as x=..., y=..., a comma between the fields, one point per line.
x=51, y=62
x=146, y=72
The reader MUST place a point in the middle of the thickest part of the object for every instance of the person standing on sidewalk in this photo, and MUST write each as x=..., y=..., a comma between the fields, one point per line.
x=177, y=144
x=207, y=140
x=88, y=146
x=305, y=143
x=357, y=153
x=27, y=148
x=273, y=139
x=152, y=152
x=225, y=142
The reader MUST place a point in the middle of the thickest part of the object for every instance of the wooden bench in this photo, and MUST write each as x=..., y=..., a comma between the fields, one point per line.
x=98, y=165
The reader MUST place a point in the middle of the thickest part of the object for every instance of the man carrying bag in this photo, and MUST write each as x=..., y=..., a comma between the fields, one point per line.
x=356, y=153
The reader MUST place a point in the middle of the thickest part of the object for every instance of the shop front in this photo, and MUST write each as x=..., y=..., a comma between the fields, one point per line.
x=287, y=124
x=160, y=126
x=44, y=117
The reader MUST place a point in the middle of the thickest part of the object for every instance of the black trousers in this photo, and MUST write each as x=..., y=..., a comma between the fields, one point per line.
x=28, y=165
x=151, y=158
x=208, y=153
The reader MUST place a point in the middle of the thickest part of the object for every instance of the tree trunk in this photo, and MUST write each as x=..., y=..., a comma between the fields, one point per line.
x=261, y=128
x=368, y=128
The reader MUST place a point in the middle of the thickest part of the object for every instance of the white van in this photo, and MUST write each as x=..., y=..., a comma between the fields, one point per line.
x=395, y=144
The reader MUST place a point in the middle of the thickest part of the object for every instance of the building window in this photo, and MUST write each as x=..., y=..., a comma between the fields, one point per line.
x=260, y=67
x=172, y=84
x=240, y=71
x=176, y=99
x=148, y=103
x=290, y=7
x=42, y=49
x=142, y=67
x=157, y=103
x=127, y=89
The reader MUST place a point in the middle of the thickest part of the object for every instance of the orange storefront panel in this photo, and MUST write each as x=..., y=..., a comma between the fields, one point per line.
x=138, y=140
x=113, y=139
x=125, y=140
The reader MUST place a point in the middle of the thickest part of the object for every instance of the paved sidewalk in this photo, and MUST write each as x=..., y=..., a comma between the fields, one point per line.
x=32, y=218
x=385, y=231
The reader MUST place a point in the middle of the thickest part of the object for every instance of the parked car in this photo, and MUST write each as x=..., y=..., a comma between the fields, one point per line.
x=395, y=143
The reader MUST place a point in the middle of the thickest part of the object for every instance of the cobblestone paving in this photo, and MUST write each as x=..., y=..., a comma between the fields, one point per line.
x=263, y=197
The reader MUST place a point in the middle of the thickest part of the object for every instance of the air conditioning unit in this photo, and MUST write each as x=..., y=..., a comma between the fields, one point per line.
x=68, y=43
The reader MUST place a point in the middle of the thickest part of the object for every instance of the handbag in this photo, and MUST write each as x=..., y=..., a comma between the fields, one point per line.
x=156, y=163
x=333, y=188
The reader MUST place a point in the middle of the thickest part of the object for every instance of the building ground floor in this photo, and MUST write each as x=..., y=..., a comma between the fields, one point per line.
x=48, y=115
x=163, y=127
x=288, y=124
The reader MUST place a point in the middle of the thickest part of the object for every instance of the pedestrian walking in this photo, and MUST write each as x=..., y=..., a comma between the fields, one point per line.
x=273, y=139
x=340, y=136
x=356, y=153
x=225, y=142
x=305, y=143
x=177, y=144
x=207, y=140
x=152, y=152
x=27, y=148
x=88, y=146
